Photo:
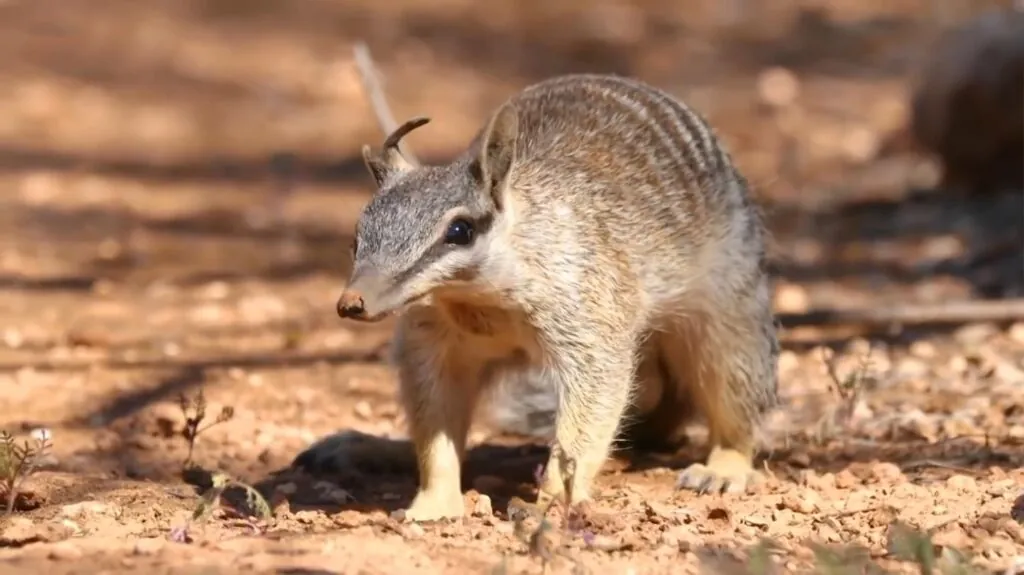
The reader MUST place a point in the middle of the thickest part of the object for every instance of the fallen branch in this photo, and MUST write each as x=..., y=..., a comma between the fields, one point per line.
x=370, y=78
x=1003, y=310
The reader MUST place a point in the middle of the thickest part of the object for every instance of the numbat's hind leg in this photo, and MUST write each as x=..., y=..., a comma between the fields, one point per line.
x=727, y=361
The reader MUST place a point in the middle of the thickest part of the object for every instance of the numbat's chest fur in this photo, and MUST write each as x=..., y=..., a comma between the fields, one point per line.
x=487, y=329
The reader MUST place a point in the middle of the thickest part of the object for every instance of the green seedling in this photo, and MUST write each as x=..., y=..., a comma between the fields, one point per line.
x=18, y=461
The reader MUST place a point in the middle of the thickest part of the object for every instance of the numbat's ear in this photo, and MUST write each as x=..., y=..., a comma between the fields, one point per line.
x=497, y=149
x=390, y=160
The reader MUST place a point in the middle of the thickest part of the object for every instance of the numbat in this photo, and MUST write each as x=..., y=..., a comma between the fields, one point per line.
x=595, y=249
x=968, y=104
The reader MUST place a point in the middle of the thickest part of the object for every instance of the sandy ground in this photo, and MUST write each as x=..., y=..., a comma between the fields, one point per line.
x=178, y=181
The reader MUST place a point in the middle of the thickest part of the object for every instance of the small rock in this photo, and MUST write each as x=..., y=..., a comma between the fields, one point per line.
x=860, y=144
x=861, y=412
x=21, y=531
x=13, y=338
x=953, y=536
x=279, y=504
x=923, y=349
x=800, y=459
x=65, y=551
x=411, y=531
x=975, y=333
x=659, y=513
x=824, y=482
x=778, y=87
x=306, y=516
x=962, y=482
x=606, y=542
x=912, y=367
x=483, y=507
x=827, y=533
x=1016, y=332
x=959, y=364
x=1001, y=487
x=505, y=527
x=18, y=530
x=756, y=520
x=75, y=528
x=788, y=361
x=800, y=504
x=791, y=298
x=86, y=509
x=363, y=410
x=845, y=479
x=920, y=425
x=886, y=472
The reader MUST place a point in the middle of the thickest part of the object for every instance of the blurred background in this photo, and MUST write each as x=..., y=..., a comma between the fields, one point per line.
x=177, y=139
x=180, y=140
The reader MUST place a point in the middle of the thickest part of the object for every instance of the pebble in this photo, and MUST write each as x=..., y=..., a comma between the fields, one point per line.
x=805, y=502
x=962, y=482
x=975, y=333
x=778, y=87
x=1016, y=332
x=924, y=350
x=412, y=531
x=18, y=530
x=306, y=516
x=483, y=507
x=887, y=472
x=363, y=410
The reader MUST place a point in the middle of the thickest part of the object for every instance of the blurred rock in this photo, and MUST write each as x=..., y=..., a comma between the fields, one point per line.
x=791, y=298
x=778, y=87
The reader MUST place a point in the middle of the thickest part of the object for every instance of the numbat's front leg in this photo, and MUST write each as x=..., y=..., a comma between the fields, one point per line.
x=439, y=392
x=595, y=385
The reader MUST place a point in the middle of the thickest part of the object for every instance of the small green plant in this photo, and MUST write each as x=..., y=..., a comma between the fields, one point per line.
x=194, y=411
x=543, y=540
x=18, y=462
x=215, y=484
x=212, y=499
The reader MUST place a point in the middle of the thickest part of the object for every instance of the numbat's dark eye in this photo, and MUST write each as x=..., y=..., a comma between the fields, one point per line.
x=459, y=233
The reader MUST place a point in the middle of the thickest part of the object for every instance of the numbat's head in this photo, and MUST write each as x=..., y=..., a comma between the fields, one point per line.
x=428, y=227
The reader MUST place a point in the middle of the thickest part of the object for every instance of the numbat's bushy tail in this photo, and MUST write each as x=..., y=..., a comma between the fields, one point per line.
x=594, y=249
x=968, y=105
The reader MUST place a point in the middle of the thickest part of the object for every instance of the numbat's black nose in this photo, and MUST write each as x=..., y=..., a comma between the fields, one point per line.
x=350, y=305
